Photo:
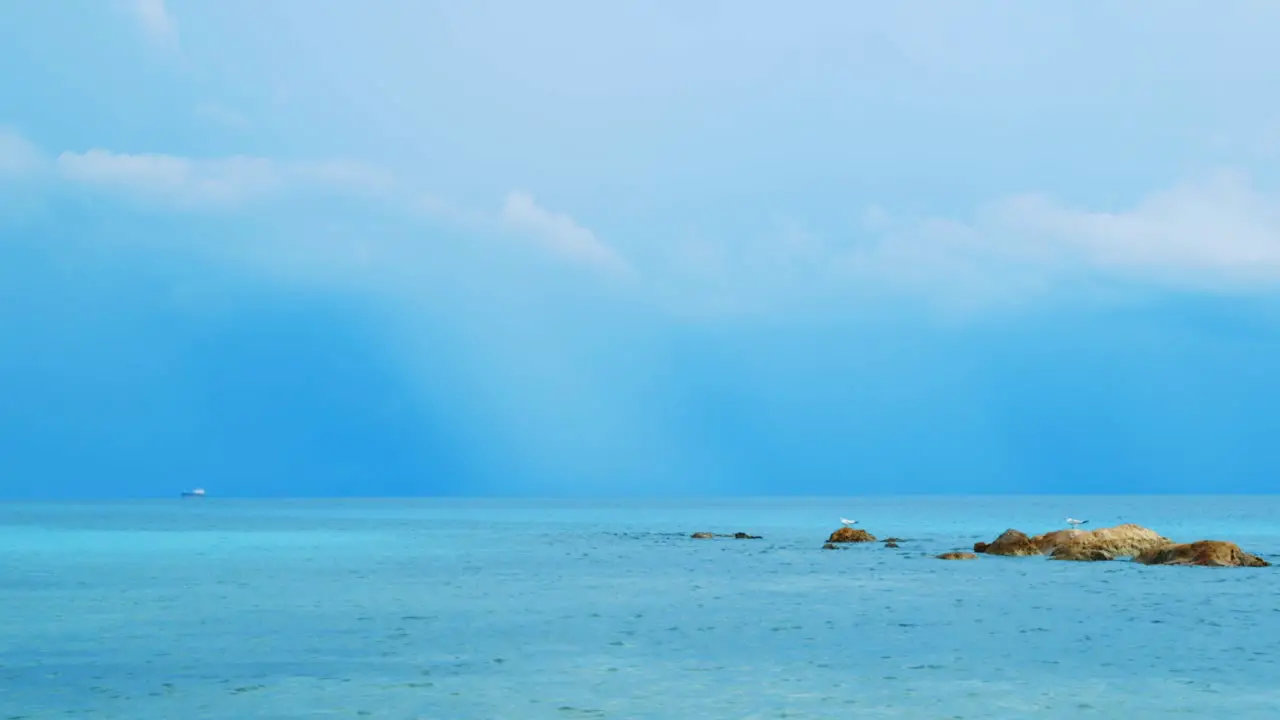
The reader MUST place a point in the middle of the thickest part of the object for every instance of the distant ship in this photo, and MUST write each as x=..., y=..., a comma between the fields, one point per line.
x=198, y=492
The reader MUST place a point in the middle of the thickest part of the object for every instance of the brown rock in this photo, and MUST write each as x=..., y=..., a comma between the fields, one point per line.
x=1013, y=543
x=1085, y=545
x=894, y=540
x=744, y=536
x=892, y=544
x=702, y=536
x=851, y=535
x=1081, y=553
x=1055, y=539
x=957, y=556
x=1206, y=553
x=1125, y=540
x=830, y=546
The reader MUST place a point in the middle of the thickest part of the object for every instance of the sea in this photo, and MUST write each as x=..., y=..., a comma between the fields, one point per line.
x=456, y=609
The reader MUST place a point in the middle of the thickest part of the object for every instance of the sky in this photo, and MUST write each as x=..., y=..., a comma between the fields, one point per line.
x=644, y=247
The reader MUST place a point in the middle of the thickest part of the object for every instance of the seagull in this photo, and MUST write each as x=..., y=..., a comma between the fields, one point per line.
x=847, y=522
x=1075, y=523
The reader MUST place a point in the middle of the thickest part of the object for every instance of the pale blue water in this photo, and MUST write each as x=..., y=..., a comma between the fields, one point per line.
x=504, y=609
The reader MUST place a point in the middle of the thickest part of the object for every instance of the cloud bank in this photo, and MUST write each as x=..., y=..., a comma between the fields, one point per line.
x=1216, y=234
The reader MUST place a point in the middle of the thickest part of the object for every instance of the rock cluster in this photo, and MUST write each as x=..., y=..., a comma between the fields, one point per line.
x=1101, y=544
x=1133, y=541
x=1142, y=544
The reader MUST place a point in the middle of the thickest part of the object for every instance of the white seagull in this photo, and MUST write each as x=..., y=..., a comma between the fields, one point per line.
x=1075, y=523
x=847, y=522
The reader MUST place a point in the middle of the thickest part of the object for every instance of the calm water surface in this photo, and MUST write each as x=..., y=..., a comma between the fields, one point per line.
x=516, y=609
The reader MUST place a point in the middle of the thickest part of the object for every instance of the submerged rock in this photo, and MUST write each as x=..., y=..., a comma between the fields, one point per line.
x=745, y=536
x=735, y=536
x=957, y=556
x=894, y=540
x=830, y=546
x=851, y=535
x=1206, y=553
x=702, y=536
x=891, y=544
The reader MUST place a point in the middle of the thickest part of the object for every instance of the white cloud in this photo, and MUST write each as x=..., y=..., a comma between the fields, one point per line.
x=156, y=21
x=560, y=233
x=18, y=157
x=1220, y=234
x=183, y=183
x=174, y=181
x=177, y=183
x=22, y=178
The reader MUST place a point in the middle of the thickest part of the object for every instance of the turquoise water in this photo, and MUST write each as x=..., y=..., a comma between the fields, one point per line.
x=505, y=609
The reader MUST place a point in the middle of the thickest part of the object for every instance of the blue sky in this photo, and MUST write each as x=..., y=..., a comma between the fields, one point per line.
x=577, y=248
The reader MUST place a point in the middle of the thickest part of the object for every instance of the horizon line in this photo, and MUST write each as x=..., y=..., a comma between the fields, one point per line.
x=618, y=498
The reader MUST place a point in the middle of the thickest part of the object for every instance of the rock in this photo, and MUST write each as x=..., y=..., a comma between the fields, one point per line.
x=957, y=556
x=1083, y=545
x=830, y=546
x=893, y=540
x=1011, y=542
x=1081, y=553
x=744, y=536
x=1055, y=539
x=892, y=544
x=851, y=535
x=1126, y=540
x=1206, y=553
x=702, y=536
